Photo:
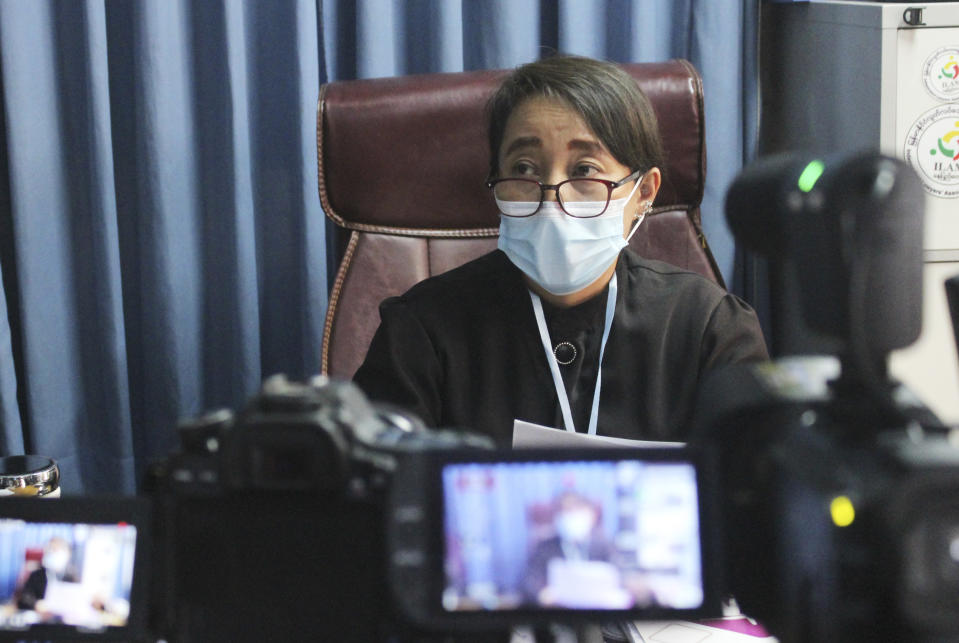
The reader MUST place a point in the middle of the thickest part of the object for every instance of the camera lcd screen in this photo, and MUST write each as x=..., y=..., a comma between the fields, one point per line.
x=66, y=571
x=572, y=535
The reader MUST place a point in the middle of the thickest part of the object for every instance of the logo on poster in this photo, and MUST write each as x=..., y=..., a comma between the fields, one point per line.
x=932, y=149
x=941, y=73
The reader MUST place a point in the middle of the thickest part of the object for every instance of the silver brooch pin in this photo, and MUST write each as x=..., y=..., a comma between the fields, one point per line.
x=565, y=353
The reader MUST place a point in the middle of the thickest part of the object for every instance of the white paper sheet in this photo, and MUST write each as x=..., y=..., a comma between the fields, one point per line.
x=527, y=435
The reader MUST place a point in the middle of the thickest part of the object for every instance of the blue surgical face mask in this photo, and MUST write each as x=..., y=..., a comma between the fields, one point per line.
x=56, y=560
x=575, y=525
x=561, y=253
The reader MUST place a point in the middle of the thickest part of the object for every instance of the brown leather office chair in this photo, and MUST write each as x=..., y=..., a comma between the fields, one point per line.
x=402, y=166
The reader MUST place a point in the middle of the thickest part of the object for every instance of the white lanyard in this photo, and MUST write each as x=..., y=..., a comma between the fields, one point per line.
x=554, y=367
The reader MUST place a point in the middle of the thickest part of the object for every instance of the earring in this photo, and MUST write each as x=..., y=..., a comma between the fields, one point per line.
x=644, y=212
x=638, y=218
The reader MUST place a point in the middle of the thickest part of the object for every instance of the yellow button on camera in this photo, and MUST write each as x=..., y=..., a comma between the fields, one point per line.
x=842, y=511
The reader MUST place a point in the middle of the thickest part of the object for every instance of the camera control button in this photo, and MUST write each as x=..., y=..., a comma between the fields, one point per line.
x=408, y=513
x=408, y=558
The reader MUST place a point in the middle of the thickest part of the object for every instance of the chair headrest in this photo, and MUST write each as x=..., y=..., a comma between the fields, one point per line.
x=409, y=154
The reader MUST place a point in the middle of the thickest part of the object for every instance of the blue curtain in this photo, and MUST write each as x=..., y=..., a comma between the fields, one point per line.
x=162, y=246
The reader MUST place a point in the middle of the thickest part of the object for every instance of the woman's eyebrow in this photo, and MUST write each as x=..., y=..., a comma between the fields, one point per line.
x=585, y=145
x=523, y=141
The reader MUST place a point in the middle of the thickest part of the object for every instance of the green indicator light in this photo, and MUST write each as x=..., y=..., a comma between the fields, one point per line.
x=810, y=175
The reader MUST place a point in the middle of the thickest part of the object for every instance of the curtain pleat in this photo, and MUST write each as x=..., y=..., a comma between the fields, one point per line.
x=168, y=241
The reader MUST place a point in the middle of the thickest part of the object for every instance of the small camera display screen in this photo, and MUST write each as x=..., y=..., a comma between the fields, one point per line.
x=589, y=535
x=65, y=574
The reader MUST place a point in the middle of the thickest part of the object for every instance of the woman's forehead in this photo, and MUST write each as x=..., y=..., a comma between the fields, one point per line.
x=543, y=116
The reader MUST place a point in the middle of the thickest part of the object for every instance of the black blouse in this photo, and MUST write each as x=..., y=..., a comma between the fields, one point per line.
x=576, y=334
x=462, y=349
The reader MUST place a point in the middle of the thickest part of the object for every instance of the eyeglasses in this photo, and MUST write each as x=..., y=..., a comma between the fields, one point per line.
x=580, y=198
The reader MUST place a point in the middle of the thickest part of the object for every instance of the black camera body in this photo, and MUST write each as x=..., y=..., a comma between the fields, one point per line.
x=839, y=487
x=834, y=530
x=271, y=524
x=266, y=528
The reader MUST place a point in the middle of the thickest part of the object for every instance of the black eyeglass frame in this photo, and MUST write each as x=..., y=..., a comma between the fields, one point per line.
x=610, y=186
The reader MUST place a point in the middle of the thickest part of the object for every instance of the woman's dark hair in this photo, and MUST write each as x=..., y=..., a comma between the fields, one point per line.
x=607, y=98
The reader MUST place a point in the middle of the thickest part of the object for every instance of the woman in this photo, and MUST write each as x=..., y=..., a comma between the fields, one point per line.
x=520, y=333
x=577, y=537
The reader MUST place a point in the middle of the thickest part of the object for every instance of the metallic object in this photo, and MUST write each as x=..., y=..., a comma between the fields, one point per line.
x=29, y=475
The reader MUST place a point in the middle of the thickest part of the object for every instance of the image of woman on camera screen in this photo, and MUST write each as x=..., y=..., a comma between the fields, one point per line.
x=574, y=561
x=562, y=325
